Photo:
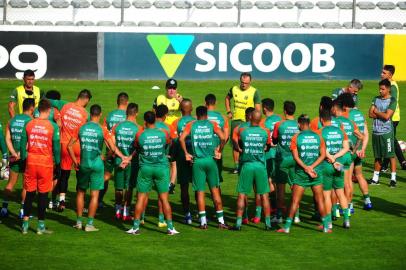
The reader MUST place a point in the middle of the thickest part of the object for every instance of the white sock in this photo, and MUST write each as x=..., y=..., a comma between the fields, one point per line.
x=393, y=176
x=376, y=176
x=367, y=200
x=126, y=211
x=221, y=220
x=203, y=219
x=61, y=198
x=118, y=207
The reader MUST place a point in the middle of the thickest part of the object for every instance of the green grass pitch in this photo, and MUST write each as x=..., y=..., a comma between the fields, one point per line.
x=376, y=239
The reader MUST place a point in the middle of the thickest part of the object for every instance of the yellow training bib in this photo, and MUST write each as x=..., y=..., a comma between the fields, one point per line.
x=242, y=101
x=21, y=94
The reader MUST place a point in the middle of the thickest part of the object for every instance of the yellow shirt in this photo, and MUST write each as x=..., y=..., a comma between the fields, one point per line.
x=173, y=107
x=19, y=94
x=243, y=99
x=395, y=93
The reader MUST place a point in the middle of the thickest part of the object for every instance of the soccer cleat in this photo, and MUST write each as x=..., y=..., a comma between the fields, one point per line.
x=255, y=220
x=142, y=221
x=245, y=221
x=127, y=218
x=118, y=215
x=78, y=226
x=223, y=226
x=172, y=188
x=373, y=183
x=90, y=228
x=352, y=211
x=44, y=231
x=203, y=227
x=283, y=230
x=4, y=212
x=346, y=224
x=235, y=171
x=384, y=168
x=367, y=206
x=392, y=184
x=296, y=220
x=50, y=204
x=172, y=232
x=327, y=231
x=188, y=219
x=61, y=206
x=162, y=224
x=133, y=231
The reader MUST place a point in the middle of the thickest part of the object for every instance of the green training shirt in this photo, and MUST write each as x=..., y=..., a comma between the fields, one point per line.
x=152, y=144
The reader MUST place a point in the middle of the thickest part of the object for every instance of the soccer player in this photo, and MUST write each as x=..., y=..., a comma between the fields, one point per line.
x=15, y=128
x=4, y=161
x=355, y=138
x=39, y=148
x=284, y=163
x=222, y=121
x=90, y=173
x=309, y=151
x=27, y=90
x=358, y=118
x=151, y=144
x=353, y=88
x=55, y=115
x=73, y=117
x=244, y=96
x=125, y=178
x=381, y=111
x=387, y=73
x=325, y=104
x=184, y=167
x=252, y=143
x=113, y=118
x=171, y=99
x=204, y=150
x=337, y=145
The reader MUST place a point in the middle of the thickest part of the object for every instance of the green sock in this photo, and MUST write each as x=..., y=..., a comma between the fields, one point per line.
x=367, y=199
x=170, y=224
x=78, y=219
x=325, y=221
x=90, y=221
x=238, y=222
x=25, y=224
x=346, y=213
x=258, y=211
x=329, y=219
x=220, y=216
x=297, y=213
x=268, y=221
x=143, y=216
x=288, y=223
x=202, y=217
x=246, y=212
x=161, y=218
x=41, y=224
x=334, y=210
x=136, y=224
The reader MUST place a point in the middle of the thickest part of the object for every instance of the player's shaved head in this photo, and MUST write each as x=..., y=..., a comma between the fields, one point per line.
x=201, y=112
x=149, y=117
x=95, y=110
x=161, y=111
x=28, y=104
x=186, y=105
x=256, y=117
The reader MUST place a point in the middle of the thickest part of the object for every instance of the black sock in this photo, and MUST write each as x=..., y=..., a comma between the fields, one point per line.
x=103, y=191
x=29, y=198
x=42, y=205
x=63, y=182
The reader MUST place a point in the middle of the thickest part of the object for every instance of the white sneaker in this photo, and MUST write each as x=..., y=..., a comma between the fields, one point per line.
x=296, y=220
x=50, y=205
x=172, y=232
x=90, y=228
x=78, y=226
x=133, y=231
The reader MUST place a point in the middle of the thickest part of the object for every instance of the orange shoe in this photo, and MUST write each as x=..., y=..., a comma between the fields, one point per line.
x=255, y=220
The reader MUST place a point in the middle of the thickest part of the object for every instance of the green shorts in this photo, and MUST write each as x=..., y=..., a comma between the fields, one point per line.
x=357, y=162
x=234, y=124
x=284, y=170
x=126, y=178
x=184, y=170
x=92, y=178
x=153, y=176
x=270, y=167
x=383, y=145
x=17, y=166
x=304, y=180
x=331, y=177
x=345, y=160
x=203, y=171
x=253, y=173
x=109, y=164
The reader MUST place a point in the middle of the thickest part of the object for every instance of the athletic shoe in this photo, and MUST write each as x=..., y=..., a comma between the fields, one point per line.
x=392, y=184
x=50, y=204
x=373, y=183
x=327, y=231
x=203, y=227
x=90, y=228
x=127, y=218
x=255, y=220
x=21, y=214
x=245, y=221
x=133, y=231
x=162, y=224
x=172, y=232
x=368, y=206
x=283, y=230
x=346, y=224
x=61, y=206
x=172, y=188
x=4, y=212
x=352, y=211
x=44, y=231
x=235, y=228
x=188, y=219
x=118, y=215
x=223, y=226
x=235, y=171
x=384, y=169
x=142, y=221
x=78, y=226
x=24, y=230
x=296, y=220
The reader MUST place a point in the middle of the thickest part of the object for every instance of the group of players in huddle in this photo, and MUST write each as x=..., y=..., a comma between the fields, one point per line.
x=49, y=138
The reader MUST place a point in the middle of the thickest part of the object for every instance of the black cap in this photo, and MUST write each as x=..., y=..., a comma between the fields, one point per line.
x=171, y=83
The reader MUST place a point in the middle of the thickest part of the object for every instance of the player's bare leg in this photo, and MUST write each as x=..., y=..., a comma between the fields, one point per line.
x=344, y=206
x=241, y=203
x=140, y=206
x=348, y=186
x=218, y=204
x=166, y=207
x=280, y=201
x=297, y=193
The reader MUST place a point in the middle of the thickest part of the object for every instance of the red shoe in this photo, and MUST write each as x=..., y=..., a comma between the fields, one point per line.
x=127, y=218
x=245, y=221
x=255, y=220
x=118, y=216
x=282, y=231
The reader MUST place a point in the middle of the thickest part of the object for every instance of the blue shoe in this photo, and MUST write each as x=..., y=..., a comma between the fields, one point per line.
x=188, y=219
x=368, y=206
x=352, y=211
x=341, y=211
